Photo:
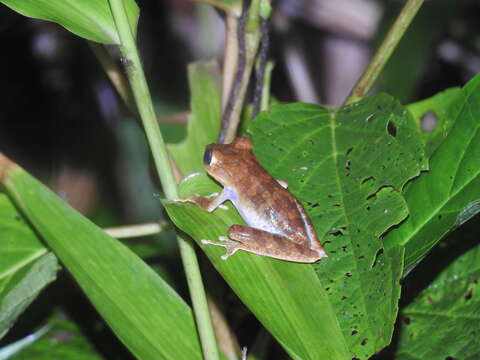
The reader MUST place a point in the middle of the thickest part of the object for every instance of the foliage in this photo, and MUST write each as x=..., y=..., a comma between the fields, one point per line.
x=110, y=274
x=442, y=322
x=90, y=19
x=380, y=189
x=448, y=195
x=26, y=266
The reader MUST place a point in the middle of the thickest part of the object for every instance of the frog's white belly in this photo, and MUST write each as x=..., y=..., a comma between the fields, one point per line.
x=253, y=218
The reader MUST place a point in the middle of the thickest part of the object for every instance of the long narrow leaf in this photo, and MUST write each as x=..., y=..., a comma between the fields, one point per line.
x=144, y=312
x=26, y=266
x=90, y=19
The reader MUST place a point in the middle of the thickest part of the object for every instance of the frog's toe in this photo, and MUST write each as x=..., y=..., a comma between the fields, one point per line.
x=231, y=249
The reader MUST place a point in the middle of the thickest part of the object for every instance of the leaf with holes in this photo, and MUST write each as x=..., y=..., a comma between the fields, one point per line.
x=433, y=116
x=443, y=321
x=449, y=194
x=347, y=167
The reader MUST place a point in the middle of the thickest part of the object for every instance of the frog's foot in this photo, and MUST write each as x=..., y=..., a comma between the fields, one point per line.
x=231, y=246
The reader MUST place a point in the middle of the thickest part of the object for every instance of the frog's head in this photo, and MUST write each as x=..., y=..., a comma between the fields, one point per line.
x=225, y=161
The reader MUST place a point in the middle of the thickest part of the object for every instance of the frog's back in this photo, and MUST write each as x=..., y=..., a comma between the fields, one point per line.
x=265, y=204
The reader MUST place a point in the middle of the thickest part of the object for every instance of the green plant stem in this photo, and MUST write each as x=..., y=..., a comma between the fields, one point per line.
x=143, y=100
x=267, y=79
x=395, y=34
x=139, y=230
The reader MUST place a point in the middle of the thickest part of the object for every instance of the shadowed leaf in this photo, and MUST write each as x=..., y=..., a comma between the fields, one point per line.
x=144, y=312
x=443, y=321
x=448, y=194
x=26, y=266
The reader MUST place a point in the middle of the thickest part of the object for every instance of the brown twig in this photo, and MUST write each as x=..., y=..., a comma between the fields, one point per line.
x=233, y=97
x=262, y=63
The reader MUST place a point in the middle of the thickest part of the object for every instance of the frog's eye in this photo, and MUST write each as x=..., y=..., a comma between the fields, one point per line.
x=207, y=156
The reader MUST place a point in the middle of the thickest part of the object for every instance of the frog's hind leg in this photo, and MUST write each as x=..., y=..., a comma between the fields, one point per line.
x=264, y=243
x=231, y=246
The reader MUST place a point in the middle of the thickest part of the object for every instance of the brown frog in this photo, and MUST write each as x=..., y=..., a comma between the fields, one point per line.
x=278, y=225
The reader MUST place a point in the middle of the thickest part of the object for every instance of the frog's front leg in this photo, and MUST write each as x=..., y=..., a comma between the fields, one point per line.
x=211, y=202
x=266, y=244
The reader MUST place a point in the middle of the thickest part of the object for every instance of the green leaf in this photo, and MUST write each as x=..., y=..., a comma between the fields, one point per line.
x=144, y=312
x=434, y=118
x=90, y=19
x=287, y=298
x=347, y=168
x=443, y=321
x=449, y=194
x=26, y=266
x=19, y=289
x=63, y=340
x=204, y=122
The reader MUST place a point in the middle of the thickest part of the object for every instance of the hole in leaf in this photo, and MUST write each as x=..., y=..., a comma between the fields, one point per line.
x=347, y=164
x=406, y=320
x=377, y=256
x=364, y=342
x=469, y=295
x=348, y=274
x=354, y=332
x=391, y=129
x=343, y=298
x=429, y=121
x=450, y=358
x=336, y=233
x=311, y=141
x=349, y=150
x=367, y=179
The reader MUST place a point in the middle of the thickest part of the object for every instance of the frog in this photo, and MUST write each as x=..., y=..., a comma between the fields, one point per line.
x=277, y=224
